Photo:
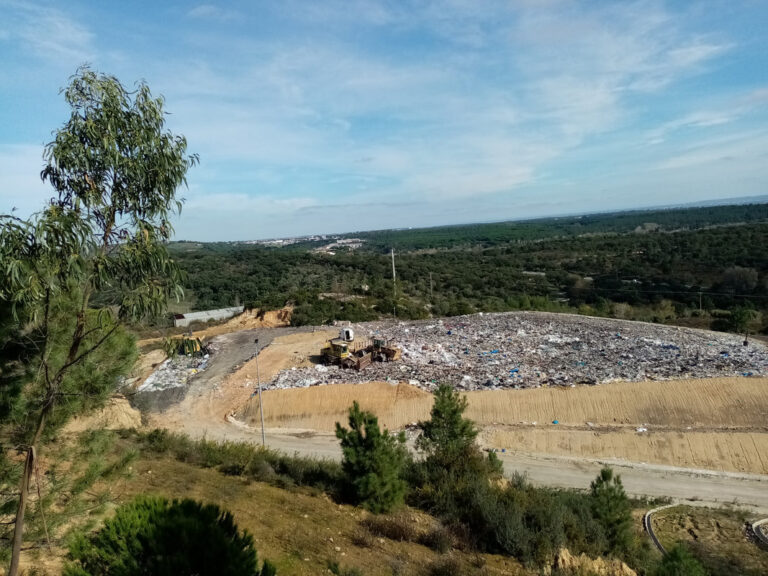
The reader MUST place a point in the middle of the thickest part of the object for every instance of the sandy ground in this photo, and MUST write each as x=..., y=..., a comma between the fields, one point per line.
x=115, y=415
x=718, y=403
x=718, y=424
x=726, y=451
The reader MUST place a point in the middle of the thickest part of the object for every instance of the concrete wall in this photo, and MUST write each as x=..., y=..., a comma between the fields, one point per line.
x=206, y=315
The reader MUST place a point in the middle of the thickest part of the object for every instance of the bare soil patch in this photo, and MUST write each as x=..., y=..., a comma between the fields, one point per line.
x=117, y=414
x=248, y=320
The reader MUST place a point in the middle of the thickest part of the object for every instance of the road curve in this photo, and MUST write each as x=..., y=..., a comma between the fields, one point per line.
x=648, y=525
x=758, y=532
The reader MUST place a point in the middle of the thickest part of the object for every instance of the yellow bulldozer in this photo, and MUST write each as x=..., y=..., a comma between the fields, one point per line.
x=345, y=352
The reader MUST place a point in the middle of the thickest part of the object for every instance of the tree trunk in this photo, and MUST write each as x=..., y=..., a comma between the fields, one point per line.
x=29, y=466
x=18, y=530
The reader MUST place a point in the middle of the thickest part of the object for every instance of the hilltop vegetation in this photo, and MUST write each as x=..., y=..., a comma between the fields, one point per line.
x=696, y=266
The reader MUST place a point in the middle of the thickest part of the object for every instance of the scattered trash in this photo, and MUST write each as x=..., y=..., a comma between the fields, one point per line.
x=534, y=349
x=176, y=372
x=555, y=421
x=641, y=429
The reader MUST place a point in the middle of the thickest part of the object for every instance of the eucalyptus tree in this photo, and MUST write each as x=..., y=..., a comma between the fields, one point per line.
x=115, y=170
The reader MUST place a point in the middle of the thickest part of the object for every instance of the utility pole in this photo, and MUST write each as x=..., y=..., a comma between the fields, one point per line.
x=261, y=404
x=430, y=287
x=394, y=286
x=699, y=301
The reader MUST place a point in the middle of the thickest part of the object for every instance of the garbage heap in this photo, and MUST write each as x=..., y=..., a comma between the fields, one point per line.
x=176, y=372
x=533, y=349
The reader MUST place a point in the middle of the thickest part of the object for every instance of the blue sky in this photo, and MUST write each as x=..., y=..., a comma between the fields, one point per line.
x=320, y=117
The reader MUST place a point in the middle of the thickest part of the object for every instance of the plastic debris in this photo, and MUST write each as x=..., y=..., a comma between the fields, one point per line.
x=534, y=349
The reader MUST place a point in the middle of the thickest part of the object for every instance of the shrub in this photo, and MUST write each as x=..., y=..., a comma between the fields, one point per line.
x=680, y=562
x=153, y=535
x=440, y=539
x=373, y=462
x=339, y=570
x=446, y=566
x=243, y=459
x=397, y=528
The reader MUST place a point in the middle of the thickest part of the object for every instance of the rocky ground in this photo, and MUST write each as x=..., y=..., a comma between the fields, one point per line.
x=533, y=349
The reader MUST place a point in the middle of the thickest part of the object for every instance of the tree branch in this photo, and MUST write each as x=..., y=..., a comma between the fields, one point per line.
x=85, y=353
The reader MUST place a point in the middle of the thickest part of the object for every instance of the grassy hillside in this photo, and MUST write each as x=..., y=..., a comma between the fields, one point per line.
x=302, y=529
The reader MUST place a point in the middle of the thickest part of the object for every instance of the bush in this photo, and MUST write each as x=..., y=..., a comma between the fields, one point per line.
x=339, y=570
x=373, y=462
x=447, y=566
x=392, y=527
x=243, y=459
x=680, y=562
x=153, y=535
x=440, y=539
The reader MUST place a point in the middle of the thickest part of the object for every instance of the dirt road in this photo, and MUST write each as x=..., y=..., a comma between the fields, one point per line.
x=217, y=392
x=694, y=487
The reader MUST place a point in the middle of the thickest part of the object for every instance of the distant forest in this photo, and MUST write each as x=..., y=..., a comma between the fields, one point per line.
x=693, y=266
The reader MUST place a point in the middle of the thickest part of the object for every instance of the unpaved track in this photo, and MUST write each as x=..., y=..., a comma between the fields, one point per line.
x=697, y=488
x=213, y=394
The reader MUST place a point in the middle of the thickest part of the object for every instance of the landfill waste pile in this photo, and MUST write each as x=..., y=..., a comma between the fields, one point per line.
x=533, y=349
x=176, y=372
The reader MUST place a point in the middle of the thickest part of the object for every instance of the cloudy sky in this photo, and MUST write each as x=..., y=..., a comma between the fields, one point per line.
x=340, y=115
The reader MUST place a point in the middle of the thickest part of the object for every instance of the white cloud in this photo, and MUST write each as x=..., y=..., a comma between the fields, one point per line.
x=212, y=12
x=748, y=146
x=47, y=32
x=454, y=103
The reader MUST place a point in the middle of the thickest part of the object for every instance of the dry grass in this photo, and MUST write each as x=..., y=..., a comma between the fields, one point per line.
x=725, y=403
x=298, y=531
x=710, y=403
x=715, y=536
x=320, y=407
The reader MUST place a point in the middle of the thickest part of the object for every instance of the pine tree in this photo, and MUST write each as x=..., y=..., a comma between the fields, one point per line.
x=153, y=535
x=612, y=509
x=373, y=461
x=447, y=434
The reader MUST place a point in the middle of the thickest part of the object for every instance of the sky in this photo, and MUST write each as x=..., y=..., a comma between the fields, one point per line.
x=322, y=117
